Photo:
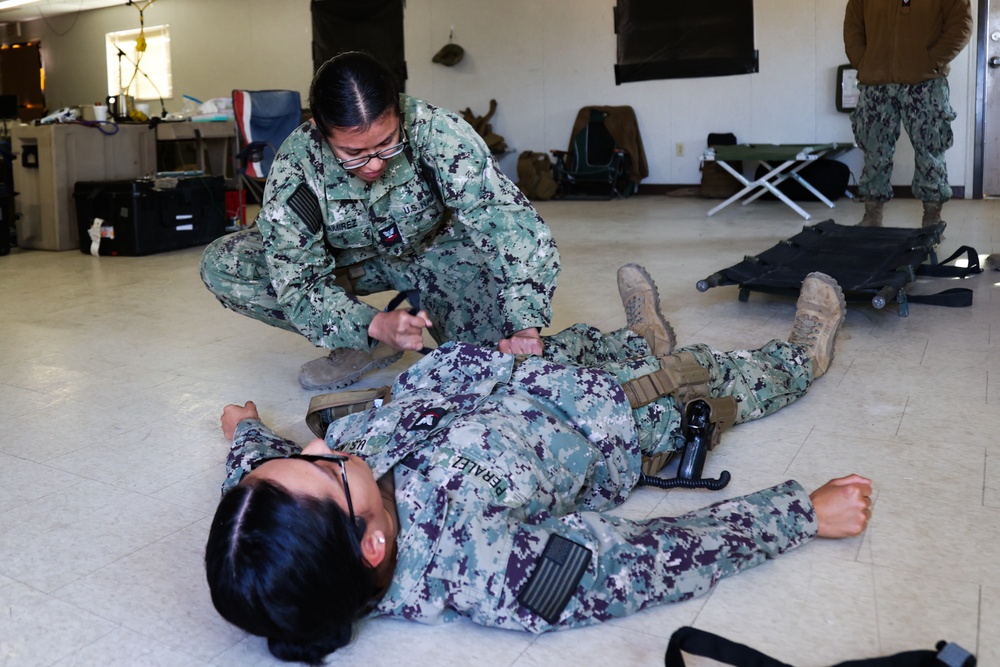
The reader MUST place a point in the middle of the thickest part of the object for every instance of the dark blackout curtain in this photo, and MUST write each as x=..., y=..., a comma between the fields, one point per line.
x=374, y=26
x=679, y=39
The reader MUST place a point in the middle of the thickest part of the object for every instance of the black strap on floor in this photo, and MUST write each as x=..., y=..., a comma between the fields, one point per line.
x=954, y=297
x=720, y=649
x=708, y=645
x=940, y=270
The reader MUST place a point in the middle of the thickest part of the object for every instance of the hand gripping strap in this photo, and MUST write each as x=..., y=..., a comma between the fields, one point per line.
x=555, y=578
x=679, y=376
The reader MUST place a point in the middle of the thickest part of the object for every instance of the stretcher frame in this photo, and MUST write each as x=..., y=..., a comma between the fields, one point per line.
x=877, y=263
x=793, y=158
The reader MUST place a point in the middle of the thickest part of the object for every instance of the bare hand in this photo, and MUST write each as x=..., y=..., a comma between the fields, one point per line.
x=233, y=414
x=399, y=329
x=526, y=341
x=843, y=506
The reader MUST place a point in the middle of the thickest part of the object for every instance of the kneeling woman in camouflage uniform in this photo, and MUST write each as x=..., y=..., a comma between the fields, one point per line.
x=480, y=490
x=383, y=191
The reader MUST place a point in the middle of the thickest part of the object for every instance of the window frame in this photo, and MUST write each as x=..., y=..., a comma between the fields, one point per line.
x=154, y=81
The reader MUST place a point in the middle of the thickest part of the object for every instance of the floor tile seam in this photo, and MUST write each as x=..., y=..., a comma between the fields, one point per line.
x=138, y=630
x=798, y=451
x=146, y=493
x=986, y=470
x=979, y=621
x=54, y=593
x=102, y=439
x=76, y=649
x=939, y=578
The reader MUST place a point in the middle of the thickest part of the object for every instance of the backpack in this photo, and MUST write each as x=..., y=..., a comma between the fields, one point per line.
x=534, y=176
x=716, y=182
x=830, y=177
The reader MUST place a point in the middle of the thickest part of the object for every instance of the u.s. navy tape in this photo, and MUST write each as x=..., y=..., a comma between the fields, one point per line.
x=94, y=232
x=555, y=578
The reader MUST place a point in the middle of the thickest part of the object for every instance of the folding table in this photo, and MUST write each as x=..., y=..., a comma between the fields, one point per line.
x=792, y=158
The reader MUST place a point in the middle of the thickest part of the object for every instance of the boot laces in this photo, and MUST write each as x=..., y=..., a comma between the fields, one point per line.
x=805, y=330
x=633, y=310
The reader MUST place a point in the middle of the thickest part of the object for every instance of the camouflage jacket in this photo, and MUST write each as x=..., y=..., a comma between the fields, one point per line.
x=492, y=458
x=316, y=217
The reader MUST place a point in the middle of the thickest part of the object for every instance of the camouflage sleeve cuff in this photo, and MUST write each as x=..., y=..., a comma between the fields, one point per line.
x=252, y=440
x=785, y=517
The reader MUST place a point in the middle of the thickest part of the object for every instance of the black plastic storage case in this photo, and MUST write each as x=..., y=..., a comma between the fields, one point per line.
x=150, y=215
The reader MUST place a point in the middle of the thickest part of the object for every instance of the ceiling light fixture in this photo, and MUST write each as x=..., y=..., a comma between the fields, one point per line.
x=10, y=4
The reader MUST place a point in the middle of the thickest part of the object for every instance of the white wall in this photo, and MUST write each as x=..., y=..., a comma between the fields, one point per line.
x=540, y=59
x=216, y=46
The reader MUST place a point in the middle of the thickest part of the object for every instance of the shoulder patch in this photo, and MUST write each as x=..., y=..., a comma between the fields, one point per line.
x=305, y=205
x=552, y=584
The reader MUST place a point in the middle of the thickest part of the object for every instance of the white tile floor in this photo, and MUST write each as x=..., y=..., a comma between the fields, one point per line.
x=113, y=372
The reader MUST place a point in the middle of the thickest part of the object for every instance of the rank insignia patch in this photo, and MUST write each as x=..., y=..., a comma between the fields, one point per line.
x=428, y=419
x=390, y=236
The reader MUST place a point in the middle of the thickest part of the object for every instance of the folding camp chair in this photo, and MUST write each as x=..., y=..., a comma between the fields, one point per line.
x=264, y=119
x=793, y=158
x=605, y=156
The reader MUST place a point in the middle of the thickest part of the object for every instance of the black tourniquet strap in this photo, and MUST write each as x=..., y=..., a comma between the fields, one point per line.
x=412, y=297
x=706, y=644
x=955, y=297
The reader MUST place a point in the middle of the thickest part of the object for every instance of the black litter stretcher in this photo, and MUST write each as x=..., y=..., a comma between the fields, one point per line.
x=868, y=262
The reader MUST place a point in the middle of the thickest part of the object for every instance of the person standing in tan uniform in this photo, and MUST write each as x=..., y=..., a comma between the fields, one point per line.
x=902, y=50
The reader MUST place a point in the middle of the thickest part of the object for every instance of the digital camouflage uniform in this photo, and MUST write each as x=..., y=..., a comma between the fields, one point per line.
x=902, y=52
x=491, y=458
x=484, y=271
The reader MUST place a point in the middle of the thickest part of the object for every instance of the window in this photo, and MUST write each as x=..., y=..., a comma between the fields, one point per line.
x=676, y=39
x=143, y=74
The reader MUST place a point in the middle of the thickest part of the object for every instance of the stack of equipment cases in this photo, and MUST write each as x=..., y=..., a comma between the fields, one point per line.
x=166, y=212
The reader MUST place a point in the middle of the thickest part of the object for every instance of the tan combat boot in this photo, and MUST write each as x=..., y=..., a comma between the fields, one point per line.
x=819, y=313
x=345, y=366
x=873, y=214
x=932, y=213
x=642, y=309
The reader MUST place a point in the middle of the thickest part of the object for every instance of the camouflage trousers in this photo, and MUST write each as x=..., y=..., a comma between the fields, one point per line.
x=925, y=112
x=457, y=289
x=762, y=381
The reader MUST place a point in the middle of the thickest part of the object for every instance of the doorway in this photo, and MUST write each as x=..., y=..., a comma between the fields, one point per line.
x=21, y=75
x=986, y=166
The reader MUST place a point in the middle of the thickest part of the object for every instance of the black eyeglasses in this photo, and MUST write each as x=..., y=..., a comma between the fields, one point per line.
x=313, y=458
x=384, y=154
